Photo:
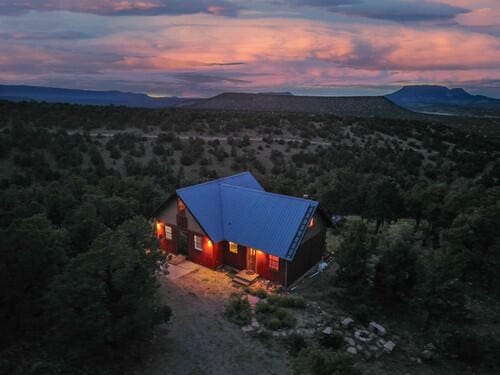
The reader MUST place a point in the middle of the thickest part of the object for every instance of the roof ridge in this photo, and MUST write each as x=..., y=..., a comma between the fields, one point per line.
x=218, y=180
x=271, y=193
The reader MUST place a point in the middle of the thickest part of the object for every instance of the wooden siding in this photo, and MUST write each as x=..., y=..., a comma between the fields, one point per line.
x=308, y=254
x=169, y=215
x=238, y=261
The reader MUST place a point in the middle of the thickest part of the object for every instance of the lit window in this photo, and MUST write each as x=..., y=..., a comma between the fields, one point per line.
x=233, y=247
x=311, y=223
x=181, y=206
x=198, y=242
x=168, y=232
x=160, y=229
x=274, y=263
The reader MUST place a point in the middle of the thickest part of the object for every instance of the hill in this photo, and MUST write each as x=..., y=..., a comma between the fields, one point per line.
x=354, y=106
x=59, y=95
x=433, y=98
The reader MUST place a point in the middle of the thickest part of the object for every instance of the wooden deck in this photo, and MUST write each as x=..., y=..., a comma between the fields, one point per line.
x=245, y=277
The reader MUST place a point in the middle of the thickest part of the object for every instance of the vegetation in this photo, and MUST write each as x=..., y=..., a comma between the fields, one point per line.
x=78, y=182
x=238, y=310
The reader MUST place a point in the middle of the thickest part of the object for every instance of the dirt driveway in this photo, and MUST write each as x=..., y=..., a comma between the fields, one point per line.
x=199, y=340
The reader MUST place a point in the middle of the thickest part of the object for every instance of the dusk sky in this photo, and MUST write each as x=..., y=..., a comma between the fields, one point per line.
x=204, y=47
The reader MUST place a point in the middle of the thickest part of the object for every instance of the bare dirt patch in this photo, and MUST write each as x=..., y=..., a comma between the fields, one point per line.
x=199, y=340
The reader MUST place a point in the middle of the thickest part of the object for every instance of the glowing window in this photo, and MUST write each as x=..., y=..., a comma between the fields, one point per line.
x=233, y=247
x=168, y=232
x=160, y=230
x=198, y=242
x=181, y=207
x=274, y=263
x=311, y=223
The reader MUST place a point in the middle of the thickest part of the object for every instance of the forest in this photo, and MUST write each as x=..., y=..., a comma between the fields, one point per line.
x=78, y=255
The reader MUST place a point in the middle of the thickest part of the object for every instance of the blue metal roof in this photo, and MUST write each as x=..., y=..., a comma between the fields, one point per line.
x=203, y=200
x=238, y=209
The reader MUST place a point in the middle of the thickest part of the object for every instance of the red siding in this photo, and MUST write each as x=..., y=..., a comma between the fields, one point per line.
x=267, y=273
x=204, y=257
x=238, y=261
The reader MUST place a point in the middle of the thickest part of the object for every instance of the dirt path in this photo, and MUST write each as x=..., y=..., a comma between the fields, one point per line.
x=199, y=340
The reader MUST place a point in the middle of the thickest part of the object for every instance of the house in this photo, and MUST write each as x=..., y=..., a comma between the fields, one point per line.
x=235, y=222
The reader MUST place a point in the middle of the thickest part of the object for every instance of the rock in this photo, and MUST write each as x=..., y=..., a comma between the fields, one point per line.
x=368, y=355
x=352, y=350
x=377, y=329
x=362, y=335
x=327, y=331
x=359, y=348
x=255, y=323
x=349, y=341
x=347, y=322
x=372, y=348
x=380, y=343
x=430, y=346
x=247, y=328
x=389, y=346
x=427, y=354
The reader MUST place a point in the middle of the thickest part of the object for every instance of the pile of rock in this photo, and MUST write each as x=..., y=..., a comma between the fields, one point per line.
x=371, y=342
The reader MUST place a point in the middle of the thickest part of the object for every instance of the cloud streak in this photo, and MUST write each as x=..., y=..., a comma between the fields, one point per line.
x=123, y=7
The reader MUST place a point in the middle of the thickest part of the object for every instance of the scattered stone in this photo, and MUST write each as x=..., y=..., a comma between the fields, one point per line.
x=380, y=343
x=253, y=300
x=247, y=328
x=255, y=323
x=349, y=341
x=372, y=348
x=389, y=346
x=362, y=335
x=359, y=347
x=427, y=354
x=327, y=331
x=377, y=329
x=347, y=322
x=430, y=346
x=352, y=350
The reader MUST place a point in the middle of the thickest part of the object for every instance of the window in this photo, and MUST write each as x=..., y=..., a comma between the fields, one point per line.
x=311, y=223
x=168, y=232
x=160, y=230
x=181, y=207
x=198, y=242
x=233, y=247
x=274, y=263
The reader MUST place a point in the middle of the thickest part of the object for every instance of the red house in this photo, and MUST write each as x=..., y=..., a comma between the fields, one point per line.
x=233, y=221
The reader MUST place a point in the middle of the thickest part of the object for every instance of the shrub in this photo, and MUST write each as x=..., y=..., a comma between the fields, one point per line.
x=287, y=301
x=273, y=317
x=466, y=346
x=295, y=343
x=323, y=362
x=238, y=310
x=333, y=341
x=259, y=292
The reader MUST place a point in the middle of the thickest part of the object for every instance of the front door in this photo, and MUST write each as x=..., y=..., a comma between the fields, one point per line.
x=182, y=243
x=251, y=259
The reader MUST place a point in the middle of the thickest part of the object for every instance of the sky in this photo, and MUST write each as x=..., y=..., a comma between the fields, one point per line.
x=193, y=48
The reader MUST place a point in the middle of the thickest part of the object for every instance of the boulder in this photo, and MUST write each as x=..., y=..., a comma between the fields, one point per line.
x=349, y=341
x=389, y=346
x=377, y=329
x=347, y=322
x=327, y=331
x=427, y=354
x=352, y=350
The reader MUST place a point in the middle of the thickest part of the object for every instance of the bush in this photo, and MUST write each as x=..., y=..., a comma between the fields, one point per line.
x=273, y=317
x=287, y=301
x=259, y=292
x=295, y=343
x=466, y=346
x=333, y=341
x=238, y=310
x=324, y=362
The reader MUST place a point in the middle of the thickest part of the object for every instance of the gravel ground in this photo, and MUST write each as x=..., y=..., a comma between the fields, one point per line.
x=199, y=340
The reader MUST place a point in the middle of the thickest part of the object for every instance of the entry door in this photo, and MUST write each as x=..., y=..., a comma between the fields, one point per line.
x=182, y=243
x=251, y=259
